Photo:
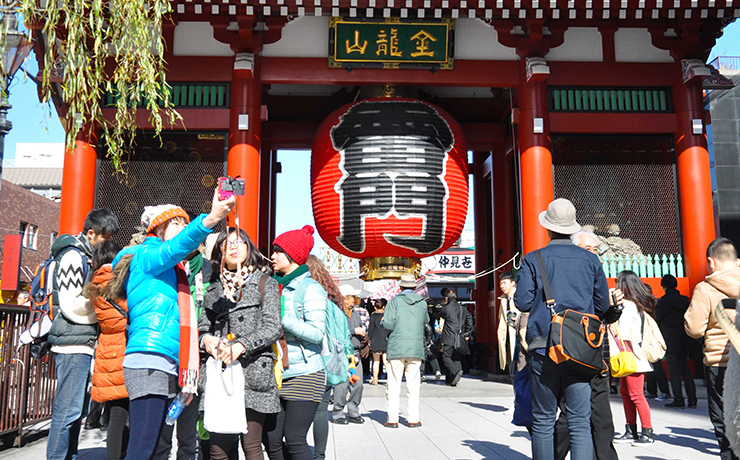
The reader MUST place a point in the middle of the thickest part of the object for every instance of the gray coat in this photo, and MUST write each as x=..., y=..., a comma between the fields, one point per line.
x=256, y=326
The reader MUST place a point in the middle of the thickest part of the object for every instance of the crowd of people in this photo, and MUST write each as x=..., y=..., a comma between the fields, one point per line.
x=180, y=338
x=552, y=400
x=229, y=350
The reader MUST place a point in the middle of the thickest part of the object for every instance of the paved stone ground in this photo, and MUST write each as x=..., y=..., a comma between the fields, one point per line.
x=472, y=421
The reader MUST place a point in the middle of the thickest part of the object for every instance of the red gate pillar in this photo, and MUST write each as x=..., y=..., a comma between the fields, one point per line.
x=245, y=133
x=535, y=158
x=694, y=181
x=78, y=182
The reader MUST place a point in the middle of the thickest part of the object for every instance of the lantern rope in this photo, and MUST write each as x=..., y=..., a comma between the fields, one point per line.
x=495, y=269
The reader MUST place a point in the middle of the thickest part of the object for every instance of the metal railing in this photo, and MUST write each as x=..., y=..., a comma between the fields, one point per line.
x=646, y=266
x=726, y=63
x=27, y=385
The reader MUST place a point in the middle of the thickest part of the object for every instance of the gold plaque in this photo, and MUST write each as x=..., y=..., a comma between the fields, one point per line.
x=380, y=268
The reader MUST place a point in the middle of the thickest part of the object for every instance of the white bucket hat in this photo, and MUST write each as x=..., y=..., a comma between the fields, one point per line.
x=560, y=217
x=348, y=290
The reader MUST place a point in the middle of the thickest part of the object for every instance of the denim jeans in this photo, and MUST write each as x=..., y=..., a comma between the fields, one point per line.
x=73, y=375
x=548, y=382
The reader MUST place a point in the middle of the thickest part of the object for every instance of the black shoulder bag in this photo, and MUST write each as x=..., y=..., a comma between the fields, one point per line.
x=575, y=338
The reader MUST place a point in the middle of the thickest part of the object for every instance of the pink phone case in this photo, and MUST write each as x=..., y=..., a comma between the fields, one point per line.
x=223, y=194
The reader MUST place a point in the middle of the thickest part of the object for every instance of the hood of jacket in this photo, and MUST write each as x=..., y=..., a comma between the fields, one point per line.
x=78, y=241
x=410, y=297
x=726, y=281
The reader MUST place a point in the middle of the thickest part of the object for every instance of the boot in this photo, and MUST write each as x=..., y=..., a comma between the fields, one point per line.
x=630, y=435
x=646, y=437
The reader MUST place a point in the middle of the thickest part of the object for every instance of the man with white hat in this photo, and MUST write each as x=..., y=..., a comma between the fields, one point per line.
x=578, y=283
x=405, y=317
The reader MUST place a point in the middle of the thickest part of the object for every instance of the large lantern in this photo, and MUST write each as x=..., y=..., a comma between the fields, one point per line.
x=389, y=183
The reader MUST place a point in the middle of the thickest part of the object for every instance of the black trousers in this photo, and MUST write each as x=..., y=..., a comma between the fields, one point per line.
x=715, y=383
x=657, y=380
x=452, y=362
x=291, y=424
x=117, y=439
x=678, y=366
x=187, y=435
x=321, y=426
x=602, y=427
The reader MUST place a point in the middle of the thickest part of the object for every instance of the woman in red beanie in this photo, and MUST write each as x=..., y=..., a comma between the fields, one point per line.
x=303, y=319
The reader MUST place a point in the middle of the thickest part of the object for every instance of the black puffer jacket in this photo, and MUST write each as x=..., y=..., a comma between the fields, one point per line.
x=669, y=314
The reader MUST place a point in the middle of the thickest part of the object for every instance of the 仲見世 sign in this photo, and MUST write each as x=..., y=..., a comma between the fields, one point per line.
x=392, y=43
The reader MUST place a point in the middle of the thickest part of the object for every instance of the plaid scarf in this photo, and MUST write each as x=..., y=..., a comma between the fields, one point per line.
x=233, y=282
x=189, y=356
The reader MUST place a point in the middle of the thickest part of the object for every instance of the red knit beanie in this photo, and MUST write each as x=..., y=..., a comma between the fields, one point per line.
x=296, y=243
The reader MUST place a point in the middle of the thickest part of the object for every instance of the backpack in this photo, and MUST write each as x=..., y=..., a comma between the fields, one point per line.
x=44, y=295
x=653, y=344
x=336, y=347
x=45, y=302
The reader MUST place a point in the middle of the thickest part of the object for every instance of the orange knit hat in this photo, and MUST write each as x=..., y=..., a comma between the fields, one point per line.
x=154, y=216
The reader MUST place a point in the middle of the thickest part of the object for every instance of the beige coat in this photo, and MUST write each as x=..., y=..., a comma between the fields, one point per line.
x=699, y=320
x=505, y=334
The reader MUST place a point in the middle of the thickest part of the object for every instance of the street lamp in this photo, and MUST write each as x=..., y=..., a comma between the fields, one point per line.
x=15, y=48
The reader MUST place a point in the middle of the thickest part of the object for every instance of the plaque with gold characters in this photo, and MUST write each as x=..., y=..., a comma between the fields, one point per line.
x=392, y=43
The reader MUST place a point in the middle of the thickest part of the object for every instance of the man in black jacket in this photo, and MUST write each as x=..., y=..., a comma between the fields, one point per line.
x=669, y=314
x=456, y=319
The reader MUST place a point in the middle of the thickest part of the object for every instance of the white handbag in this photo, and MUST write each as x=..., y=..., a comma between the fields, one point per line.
x=223, y=406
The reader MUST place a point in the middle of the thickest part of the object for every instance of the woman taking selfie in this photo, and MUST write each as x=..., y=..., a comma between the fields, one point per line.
x=638, y=301
x=162, y=333
x=241, y=321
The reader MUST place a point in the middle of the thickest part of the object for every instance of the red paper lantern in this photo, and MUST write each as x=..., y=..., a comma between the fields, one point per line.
x=389, y=178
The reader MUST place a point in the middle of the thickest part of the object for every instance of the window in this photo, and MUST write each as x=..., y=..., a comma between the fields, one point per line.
x=52, y=239
x=30, y=235
x=24, y=229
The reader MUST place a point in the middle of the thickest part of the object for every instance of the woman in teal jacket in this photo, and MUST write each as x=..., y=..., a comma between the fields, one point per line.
x=304, y=315
x=153, y=349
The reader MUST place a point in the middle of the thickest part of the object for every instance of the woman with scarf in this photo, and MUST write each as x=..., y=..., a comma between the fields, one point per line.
x=244, y=302
x=162, y=347
x=303, y=317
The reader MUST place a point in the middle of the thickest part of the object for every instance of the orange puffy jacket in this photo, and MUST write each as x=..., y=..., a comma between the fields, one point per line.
x=107, y=380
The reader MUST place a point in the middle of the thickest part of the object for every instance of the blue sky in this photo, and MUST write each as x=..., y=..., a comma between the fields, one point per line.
x=33, y=122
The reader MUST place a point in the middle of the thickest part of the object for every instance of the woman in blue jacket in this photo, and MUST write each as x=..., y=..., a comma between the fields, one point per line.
x=303, y=319
x=162, y=333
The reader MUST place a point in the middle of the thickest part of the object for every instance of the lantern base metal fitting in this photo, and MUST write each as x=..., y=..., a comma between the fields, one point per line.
x=382, y=268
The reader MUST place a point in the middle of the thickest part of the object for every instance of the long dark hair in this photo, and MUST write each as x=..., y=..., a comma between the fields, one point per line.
x=254, y=258
x=323, y=277
x=104, y=253
x=635, y=290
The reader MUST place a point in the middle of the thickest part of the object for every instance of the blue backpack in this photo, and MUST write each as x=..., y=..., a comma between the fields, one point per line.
x=336, y=348
x=44, y=295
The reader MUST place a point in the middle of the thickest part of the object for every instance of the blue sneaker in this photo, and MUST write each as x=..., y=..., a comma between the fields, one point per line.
x=663, y=397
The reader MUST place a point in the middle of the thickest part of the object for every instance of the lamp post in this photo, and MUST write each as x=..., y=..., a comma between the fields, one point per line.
x=15, y=48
